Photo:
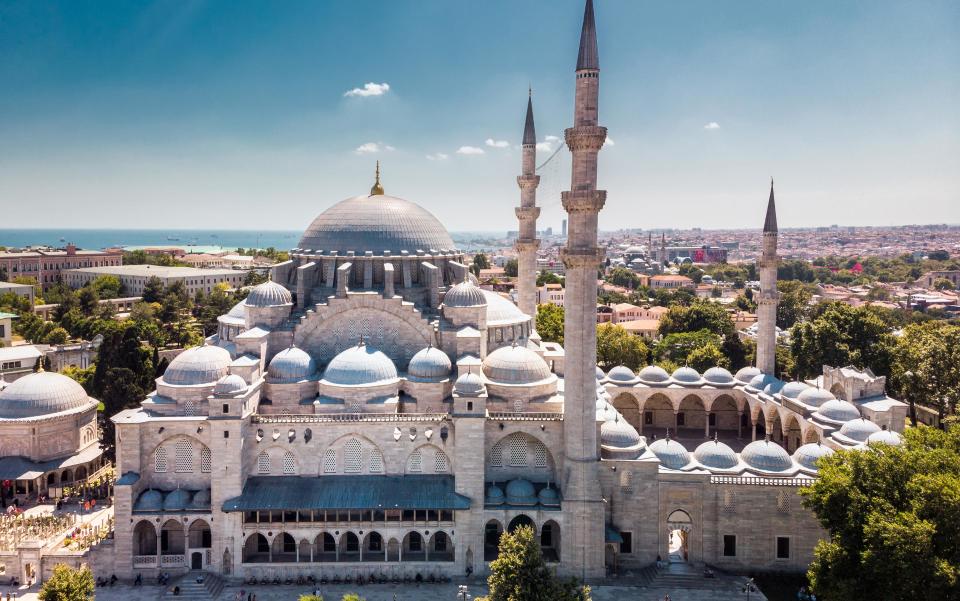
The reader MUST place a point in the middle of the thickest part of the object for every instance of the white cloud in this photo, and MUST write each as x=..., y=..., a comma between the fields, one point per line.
x=544, y=146
x=369, y=89
x=609, y=142
x=469, y=150
x=497, y=143
x=373, y=147
x=551, y=139
x=437, y=156
x=712, y=125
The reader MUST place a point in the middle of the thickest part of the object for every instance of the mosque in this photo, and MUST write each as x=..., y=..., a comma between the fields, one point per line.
x=371, y=411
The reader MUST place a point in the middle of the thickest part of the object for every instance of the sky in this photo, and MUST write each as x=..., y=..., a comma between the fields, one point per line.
x=236, y=114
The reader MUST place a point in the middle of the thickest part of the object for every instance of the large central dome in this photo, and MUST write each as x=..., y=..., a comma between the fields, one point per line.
x=375, y=223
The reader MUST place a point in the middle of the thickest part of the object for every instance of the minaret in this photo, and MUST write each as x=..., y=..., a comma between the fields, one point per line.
x=582, y=500
x=767, y=303
x=527, y=213
x=663, y=251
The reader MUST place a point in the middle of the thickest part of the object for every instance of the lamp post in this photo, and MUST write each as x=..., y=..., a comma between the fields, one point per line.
x=463, y=593
x=749, y=587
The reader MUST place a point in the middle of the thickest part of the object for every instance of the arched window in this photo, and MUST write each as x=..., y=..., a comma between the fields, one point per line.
x=205, y=461
x=183, y=457
x=263, y=463
x=289, y=464
x=415, y=463
x=352, y=457
x=160, y=460
x=518, y=451
x=376, y=461
x=329, y=461
x=539, y=455
x=496, y=455
x=441, y=465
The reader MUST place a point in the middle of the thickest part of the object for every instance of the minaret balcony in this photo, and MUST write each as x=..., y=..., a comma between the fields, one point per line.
x=583, y=201
x=581, y=257
x=585, y=137
x=524, y=213
x=528, y=181
x=526, y=245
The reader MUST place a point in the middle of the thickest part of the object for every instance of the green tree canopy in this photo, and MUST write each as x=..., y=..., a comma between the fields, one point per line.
x=617, y=346
x=838, y=335
x=704, y=357
x=926, y=366
x=893, y=519
x=68, y=584
x=700, y=315
x=550, y=323
x=512, y=268
x=794, y=302
x=153, y=290
x=675, y=349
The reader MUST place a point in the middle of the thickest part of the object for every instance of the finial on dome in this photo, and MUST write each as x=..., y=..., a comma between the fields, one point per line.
x=668, y=434
x=361, y=342
x=716, y=437
x=40, y=369
x=377, y=189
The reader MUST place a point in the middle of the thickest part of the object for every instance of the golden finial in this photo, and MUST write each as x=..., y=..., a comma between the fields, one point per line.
x=377, y=189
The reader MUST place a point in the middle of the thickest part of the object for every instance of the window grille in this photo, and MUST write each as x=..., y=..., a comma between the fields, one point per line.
x=518, y=452
x=496, y=455
x=205, y=460
x=440, y=465
x=783, y=502
x=289, y=464
x=415, y=464
x=160, y=460
x=539, y=455
x=376, y=461
x=329, y=461
x=518, y=405
x=183, y=457
x=352, y=456
x=263, y=463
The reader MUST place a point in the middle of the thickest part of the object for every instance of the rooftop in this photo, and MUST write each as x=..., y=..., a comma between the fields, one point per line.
x=155, y=270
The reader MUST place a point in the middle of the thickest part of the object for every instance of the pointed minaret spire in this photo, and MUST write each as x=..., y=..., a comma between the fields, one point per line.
x=770, y=223
x=527, y=213
x=588, y=58
x=529, y=131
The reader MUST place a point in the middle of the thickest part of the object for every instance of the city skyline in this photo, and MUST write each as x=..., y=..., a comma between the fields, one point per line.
x=202, y=110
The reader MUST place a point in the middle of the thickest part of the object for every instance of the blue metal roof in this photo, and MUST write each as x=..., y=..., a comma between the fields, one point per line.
x=348, y=492
x=611, y=535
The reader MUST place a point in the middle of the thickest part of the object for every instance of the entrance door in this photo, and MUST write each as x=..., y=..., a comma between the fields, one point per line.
x=196, y=561
x=679, y=525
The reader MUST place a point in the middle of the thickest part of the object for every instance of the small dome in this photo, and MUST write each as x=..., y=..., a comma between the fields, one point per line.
x=837, y=411
x=793, y=390
x=621, y=373
x=885, y=437
x=469, y=384
x=501, y=311
x=766, y=456
x=238, y=310
x=201, y=500
x=494, y=495
x=197, y=365
x=41, y=393
x=773, y=387
x=762, y=382
x=605, y=411
x=671, y=453
x=291, y=365
x=150, y=500
x=548, y=497
x=464, y=294
x=515, y=365
x=430, y=363
x=618, y=433
x=686, y=375
x=521, y=492
x=268, y=294
x=359, y=366
x=600, y=374
x=746, y=374
x=718, y=375
x=654, y=374
x=859, y=429
x=808, y=454
x=814, y=397
x=230, y=385
x=715, y=454
x=177, y=500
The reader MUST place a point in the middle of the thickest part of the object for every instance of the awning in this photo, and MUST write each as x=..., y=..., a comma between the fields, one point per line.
x=612, y=535
x=348, y=492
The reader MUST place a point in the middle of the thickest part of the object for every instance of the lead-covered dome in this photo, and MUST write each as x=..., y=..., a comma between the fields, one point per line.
x=375, y=223
x=718, y=375
x=515, y=365
x=837, y=411
x=671, y=453
x=621, y=373
x=808, y=454
x=686, y=376
x=715, y=454
x=268, y=294
x=521, y=492
x=197, y=365
x=41, y=393
x=747, y=373
x=360, y=365
x=291, y=365
x=766, y=456
x=857, y=430
x=430, y=363
x=618, y=433
x=654, y=374
x=230, y=385
x=501, y=311
x=814, y=397
x=793, y=390
x=464, y=294
x=885, y=437
x=469, y=384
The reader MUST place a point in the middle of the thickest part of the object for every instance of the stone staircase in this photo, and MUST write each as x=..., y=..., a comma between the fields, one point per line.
x=682, y=576
x=191, y=590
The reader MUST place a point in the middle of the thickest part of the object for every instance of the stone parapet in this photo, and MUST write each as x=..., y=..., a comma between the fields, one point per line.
x=522, y=245
x=579, y=201
x=527, y=212
x=581, y=257
x=528, y=181
x=585, y=137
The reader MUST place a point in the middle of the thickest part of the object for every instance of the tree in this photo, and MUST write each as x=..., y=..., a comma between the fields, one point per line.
x=675, y=349
x=550, y=323
x=617, y=346
x=926, y=366
x=152, y=290
x=88, y=299
x=704, y=357
x=893, y=518
x=57, y=335
x=480, y=261
x=794, y=300
x=548, y=277
x=519, y=573
x=701, y=315
x=838, y=334
x=943, y=284
x=310, y=597
x=512, y=268
x=107, y=286
x=68, y=584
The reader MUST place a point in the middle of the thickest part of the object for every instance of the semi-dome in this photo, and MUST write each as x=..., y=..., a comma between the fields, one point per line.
x=501, y=311
x=599, y=373
x=291, y=365
x=858, y=430
x=814, y=397
x=515, y=364
x=360, y=365
x=885, y=437
x=718, y=375
x=549, y=497
x=469, y=384
x=686, y=375
x=201, y=500
x=715, y=454
x=464, y=294
x=494, y=495
x=808, y=454
x=197, y=365
x=268, y=294
x=621, y=373
x=745, y=374
x=177, y=500
x=837, y=411
x=618, y=433
x=41, y=393
x=375, y=223
x=671, y=453
x=150, y=500
x=521, y=492
x=230, y=385
x=793, y=390
x=654, y=374
x=430, y=363
x=766, y=456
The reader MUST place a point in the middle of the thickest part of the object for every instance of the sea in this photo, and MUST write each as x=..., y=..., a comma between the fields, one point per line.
x=196, y=241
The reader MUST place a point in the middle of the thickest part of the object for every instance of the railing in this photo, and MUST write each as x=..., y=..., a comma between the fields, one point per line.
x=515, y=416
x=144, y=561
x=761, y=481
x=172, y=560
x=348, y=417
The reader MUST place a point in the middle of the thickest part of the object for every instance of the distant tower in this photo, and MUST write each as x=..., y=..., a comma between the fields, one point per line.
x=582, y=499
x=663, y=251
x=527, y=213
x=563, y=228
x=767, y=304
